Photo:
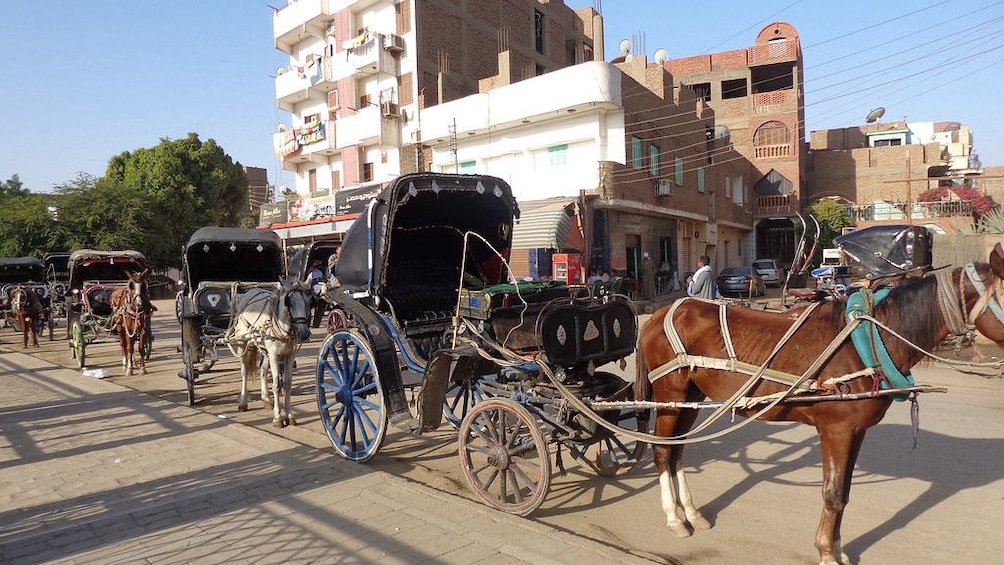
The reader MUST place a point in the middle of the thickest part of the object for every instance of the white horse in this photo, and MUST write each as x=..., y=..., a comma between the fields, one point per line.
x=273, y=323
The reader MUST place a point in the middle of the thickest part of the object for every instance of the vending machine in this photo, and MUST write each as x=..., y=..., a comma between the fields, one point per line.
x=566, y=267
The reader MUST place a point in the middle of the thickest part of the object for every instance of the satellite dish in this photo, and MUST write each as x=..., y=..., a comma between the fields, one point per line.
x=625, y=46
x=875, y=115
x=722, y=132
x=661, y=56
x=280, y=127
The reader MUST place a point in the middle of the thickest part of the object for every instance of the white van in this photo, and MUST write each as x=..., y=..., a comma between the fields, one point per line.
x=770, y=271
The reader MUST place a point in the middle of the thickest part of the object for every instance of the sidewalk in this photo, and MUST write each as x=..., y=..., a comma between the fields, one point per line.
x=92, y=472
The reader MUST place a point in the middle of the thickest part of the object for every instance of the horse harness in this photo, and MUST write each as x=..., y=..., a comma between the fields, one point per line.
x=269, y=329
x=861, y=327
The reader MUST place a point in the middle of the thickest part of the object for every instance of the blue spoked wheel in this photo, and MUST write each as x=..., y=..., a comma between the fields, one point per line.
x=460, y=398
x=349, y=395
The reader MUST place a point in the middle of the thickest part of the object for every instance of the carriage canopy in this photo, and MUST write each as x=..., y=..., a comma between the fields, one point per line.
x=233, y=254
x=93, y=265
x=57, y=265
x=410, y=241
x=21, y=269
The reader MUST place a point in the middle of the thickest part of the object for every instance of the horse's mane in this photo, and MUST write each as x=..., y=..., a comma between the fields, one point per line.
x=912, y=308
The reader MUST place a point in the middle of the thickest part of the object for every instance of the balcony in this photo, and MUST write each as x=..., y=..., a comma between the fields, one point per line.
x=298, y=21
x=771, y=151
x=774, y=52
x=897, y=211
x=369, y=57
x=319, y=145
x=358, y=5
x=368, y=126
x=297, y=84
x=775, y=205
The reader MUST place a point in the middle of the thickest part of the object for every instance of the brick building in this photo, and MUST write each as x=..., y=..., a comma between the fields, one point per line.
x=879, y=170
x=758, y=94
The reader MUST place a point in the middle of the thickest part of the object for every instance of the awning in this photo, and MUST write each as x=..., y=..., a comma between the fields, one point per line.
x=548, y=224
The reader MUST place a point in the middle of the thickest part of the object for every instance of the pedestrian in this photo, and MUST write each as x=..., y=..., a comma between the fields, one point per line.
x=315, y=276
x=647, y=277
x=702, y=283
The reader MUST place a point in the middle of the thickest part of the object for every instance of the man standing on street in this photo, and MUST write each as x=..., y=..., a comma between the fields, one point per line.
x=702, y=284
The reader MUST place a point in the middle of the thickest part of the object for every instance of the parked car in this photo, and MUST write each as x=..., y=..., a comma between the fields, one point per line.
x=770, y=270
x=740, y=281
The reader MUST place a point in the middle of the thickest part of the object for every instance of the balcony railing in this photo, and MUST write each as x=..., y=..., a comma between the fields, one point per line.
x=882, y=211
x=771, y=151
x=775, y=205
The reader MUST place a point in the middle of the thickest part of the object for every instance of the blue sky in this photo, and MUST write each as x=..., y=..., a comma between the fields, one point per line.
x=84, y=81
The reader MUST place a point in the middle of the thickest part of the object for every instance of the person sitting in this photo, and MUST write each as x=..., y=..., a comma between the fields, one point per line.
x=595, y=277
x=315, y=277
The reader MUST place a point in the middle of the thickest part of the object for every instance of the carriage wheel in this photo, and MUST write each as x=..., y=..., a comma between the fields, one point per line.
x=190, y=353
x=148, y=345
x=350, y=397
x=78, y=345
x=504, y=456
x=460, y=398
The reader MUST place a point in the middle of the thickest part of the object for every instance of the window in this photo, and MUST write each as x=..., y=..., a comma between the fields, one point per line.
x=336, y=180
x=367, y=172
x=538, y=31
x=771, y=133
x=468, y=167
x=678, y=163
x=637, y=161
x=312, y=180
x=365, y=101
x=702, y=91
x=735, y=88
x=653, y=160
x=728, y=188
x=887, y=142
x=558, y=155
x=700, y=179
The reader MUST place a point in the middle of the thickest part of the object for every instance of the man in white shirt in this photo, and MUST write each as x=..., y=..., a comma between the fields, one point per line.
x=702, y=284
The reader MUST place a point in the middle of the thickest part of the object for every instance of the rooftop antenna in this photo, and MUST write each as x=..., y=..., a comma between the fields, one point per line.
x=875, y=115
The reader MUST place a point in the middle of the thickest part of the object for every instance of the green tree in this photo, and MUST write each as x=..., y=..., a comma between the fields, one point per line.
x=27, y=227
x=189, y=183
x=832, y=218
x=103, y=214
x=13, y=187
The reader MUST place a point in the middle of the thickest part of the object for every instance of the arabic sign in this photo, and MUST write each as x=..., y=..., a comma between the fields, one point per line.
x=272, y=213
x=344, y=202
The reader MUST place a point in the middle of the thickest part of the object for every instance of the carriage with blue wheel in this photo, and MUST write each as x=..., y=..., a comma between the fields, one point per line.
x=422, y=299
x=218, y=264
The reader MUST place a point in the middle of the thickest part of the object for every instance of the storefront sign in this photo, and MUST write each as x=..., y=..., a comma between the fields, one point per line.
x=272, y=213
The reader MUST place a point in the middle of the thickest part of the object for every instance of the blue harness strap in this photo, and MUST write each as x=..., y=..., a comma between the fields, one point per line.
x=868, y=342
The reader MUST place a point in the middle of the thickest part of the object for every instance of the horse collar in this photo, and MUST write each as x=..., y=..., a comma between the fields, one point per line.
x=868, y=342
x=987, y=298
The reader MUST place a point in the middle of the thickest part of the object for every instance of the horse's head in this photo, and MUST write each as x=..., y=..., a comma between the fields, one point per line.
x=296, y=300
x=982, y=292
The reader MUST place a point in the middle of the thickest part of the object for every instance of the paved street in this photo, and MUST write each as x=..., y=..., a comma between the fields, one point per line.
x=122, y=470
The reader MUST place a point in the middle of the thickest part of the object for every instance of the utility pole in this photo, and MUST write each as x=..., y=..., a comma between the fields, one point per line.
x=909, y=190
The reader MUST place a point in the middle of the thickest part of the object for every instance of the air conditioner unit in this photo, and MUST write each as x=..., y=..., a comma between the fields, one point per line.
x=389, y=110
x=664, y=187
x=393, y=43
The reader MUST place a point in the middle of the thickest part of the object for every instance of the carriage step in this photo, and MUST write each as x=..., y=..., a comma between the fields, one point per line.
x=404, y=421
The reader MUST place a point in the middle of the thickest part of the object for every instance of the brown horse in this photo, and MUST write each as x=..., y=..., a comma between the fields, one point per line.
x=29, y=311
x=131, y=312
x=924, y=312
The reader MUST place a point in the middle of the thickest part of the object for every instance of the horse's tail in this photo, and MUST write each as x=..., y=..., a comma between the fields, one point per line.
x=642, y=387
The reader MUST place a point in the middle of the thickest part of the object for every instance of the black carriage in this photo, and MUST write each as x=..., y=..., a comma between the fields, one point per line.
x=56, y=265
x=93, y=277
x=427, y=301
x=19, y=271
x=301, y=262
x=218, y=264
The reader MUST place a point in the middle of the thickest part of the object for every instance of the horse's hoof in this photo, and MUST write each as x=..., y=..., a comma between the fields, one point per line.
x=242, y=407
x=679, y=529
x=698, y=522
x=292, y=421
x=278, y=424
